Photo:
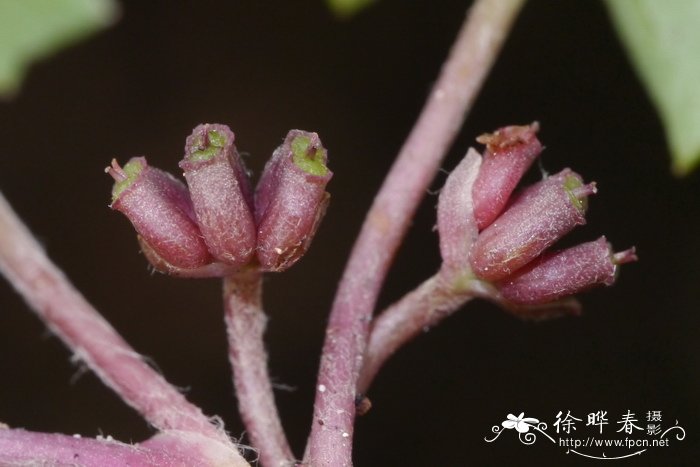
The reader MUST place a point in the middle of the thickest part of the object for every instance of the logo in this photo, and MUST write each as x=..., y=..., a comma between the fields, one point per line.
x=602, y=436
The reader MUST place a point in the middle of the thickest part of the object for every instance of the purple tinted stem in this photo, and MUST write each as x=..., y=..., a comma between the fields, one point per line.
x=66, y=312
x=464, y=71
x=430, y=303
x=245, y=325
x=19, y=447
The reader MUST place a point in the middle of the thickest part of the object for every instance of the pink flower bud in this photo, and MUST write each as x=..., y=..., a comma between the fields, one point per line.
x=455, y=212
x=221, y=194
x=161, y=265
x=540, y=216
x=160, y=210
x=510, y=151
x=564, y=273
x=291, y=199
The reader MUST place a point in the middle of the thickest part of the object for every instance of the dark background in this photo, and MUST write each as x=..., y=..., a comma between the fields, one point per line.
x=140, y=87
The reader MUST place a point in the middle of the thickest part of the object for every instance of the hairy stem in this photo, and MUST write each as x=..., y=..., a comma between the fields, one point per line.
x=419, y=310
x=245, y=324
x=20, y=447
x=472, y=56
x=92, y=339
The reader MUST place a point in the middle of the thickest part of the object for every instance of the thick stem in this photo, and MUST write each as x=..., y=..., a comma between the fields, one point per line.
x=66, y=312
x=431, y=302
x=245, y=324
x=20, y=447
x=471, y=58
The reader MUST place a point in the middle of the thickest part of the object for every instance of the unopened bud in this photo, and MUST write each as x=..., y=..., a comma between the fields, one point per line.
x=455, y=212
x=510, y=151
x=560, y=274
x=214, y=269
x=221, y=193
x=291, y=199
x=159, y=207
x=540, y=216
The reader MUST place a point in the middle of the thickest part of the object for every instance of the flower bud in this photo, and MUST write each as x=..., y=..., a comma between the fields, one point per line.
x=213, y=269
x=221, y=193
x=564, y=273
x=510, y=151
x=540, y=216
x=160, y=210
x=291, y=199
x=455, y=212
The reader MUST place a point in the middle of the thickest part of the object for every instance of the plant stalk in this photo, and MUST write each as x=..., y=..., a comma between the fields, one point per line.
x=474, y=52
x=245, y=325
x=21, y=447
x=90, y=337
x=417, y=312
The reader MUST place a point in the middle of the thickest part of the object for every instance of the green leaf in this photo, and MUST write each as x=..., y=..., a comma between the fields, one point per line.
x=663, y=41
x=347, y=8
x=33, y=29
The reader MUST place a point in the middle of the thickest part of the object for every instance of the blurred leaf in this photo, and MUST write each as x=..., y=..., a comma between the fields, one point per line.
x=663, y=40
x=347, y=8
x=33, y=29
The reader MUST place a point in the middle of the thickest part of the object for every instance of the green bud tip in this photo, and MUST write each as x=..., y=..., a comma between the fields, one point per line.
x=578, y=192
x=125, y=176
x=206, y=146
x=309, y=157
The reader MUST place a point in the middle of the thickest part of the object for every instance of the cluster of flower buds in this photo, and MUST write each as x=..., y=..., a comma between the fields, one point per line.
x=218, y=223
x=506, y=237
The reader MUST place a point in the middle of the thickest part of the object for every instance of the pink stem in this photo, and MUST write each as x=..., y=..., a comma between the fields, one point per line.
x=472, y=56
x=66, y=312
x=245, y=323
x=431, y=302
x=20, y=447
x=421, y=309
